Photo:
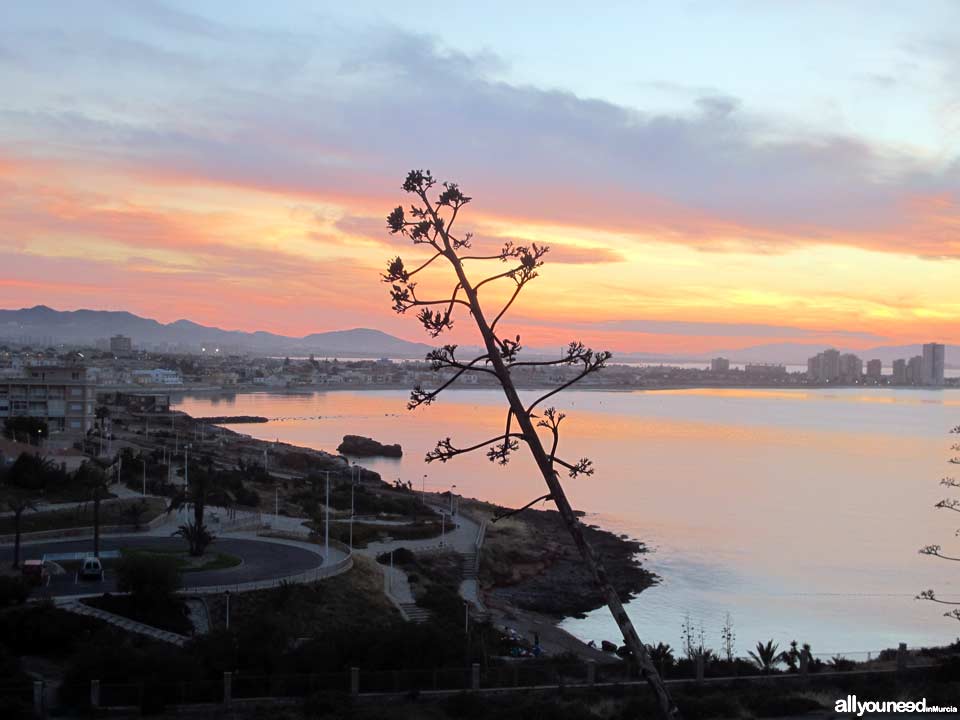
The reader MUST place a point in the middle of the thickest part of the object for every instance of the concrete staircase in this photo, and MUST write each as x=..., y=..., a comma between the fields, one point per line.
x=124, y=623
x=469, y=565
x=414, y=612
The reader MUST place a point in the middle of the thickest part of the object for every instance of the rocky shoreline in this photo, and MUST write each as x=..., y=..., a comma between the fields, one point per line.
x=530, y=568
x=555, y=582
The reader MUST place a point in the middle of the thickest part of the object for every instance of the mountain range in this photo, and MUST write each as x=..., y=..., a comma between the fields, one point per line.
x=41, y=325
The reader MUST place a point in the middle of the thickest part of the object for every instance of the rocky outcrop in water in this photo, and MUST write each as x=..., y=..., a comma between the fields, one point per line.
x=366, y=447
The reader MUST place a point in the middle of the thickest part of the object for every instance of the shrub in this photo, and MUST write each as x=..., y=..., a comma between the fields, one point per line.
x=778, y=705
x=44, y=630
x=150, y=580
x=13, y=591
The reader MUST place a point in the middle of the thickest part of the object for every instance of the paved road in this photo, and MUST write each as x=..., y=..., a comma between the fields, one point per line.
x=261, y=561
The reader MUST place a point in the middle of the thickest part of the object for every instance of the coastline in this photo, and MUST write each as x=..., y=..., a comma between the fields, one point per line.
x=206, y=390
x=530, y=575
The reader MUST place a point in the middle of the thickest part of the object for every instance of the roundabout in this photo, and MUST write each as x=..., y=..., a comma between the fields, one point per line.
x=263, y=561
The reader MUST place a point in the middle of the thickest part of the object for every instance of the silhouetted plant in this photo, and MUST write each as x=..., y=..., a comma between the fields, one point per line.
x=953, y=504
x=694, y=640
x=662, y=656
x=429, y=223
x=204, y=486
x=18, y=501
x=728, y=637
x=91, y=477
x=841, y=664
x=198, y=537
x=766, y=657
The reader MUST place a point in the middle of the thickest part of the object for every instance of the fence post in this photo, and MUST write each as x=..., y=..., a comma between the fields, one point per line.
x=475, y=677
x=700, y=667
x=591, y=672
x=38, y=698
x=902, y=657
x=354, y=681
x=227, y=688
x=95, y=694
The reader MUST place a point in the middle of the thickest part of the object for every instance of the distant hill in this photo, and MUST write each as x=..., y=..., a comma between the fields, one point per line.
x=42, y=325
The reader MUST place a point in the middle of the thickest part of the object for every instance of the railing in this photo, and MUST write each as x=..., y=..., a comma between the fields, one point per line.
x=521, y=676
x=478, y=543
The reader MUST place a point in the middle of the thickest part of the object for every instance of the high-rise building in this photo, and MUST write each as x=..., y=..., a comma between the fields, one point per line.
x=824, y=367
x=851, y=368
x=932, y=364
x=720, y=365
x=915, y=370
x=830, y=365
x=899, y=372
x=874, y=370
x=121, y=345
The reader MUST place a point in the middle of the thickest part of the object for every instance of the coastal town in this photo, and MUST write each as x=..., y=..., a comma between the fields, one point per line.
x=399, y=553
x=124, y=367
x=479, y=361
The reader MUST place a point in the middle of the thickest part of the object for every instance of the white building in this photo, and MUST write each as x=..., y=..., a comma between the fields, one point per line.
x=157, y=376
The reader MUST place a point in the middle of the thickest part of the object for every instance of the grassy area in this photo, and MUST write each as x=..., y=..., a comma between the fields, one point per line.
x=171, y=615
x=186, y=563
x=434, y=580
x=366, y=533
x=114, y=512
x=353, y=598
x=69, y=493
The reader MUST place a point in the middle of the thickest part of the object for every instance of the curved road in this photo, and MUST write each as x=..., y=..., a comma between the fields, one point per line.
x=261, y=561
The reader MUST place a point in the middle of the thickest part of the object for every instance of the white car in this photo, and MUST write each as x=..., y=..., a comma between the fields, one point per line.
x=91, y=569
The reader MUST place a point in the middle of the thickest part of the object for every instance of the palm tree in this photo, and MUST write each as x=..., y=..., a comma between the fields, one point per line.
x=22, y=484
x=18, y=501
x=766, y=657
x=205, y=487
x=662, y=656
x=94, y=480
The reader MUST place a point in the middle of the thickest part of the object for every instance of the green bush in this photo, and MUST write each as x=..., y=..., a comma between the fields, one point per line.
x=150, y=579
x=772, y=704
x=13, y=591
x=44, y=630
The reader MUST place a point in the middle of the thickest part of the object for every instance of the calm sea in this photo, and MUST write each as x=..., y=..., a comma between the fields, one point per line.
x=799, y=512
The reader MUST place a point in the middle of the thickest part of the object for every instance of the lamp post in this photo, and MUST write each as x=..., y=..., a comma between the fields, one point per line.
x=452, y=488
x=186, y=466
x=443, y=526
x=353, y=484
x=326, y=525
x=423, y=490
x=228, y=609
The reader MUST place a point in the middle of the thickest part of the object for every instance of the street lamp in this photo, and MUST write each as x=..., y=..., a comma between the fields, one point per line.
x=452, y=488
x=353, y=485
x=423, y=490
x=326, y=525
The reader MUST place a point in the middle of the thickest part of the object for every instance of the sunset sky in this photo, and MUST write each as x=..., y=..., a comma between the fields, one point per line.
x=708, y=175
